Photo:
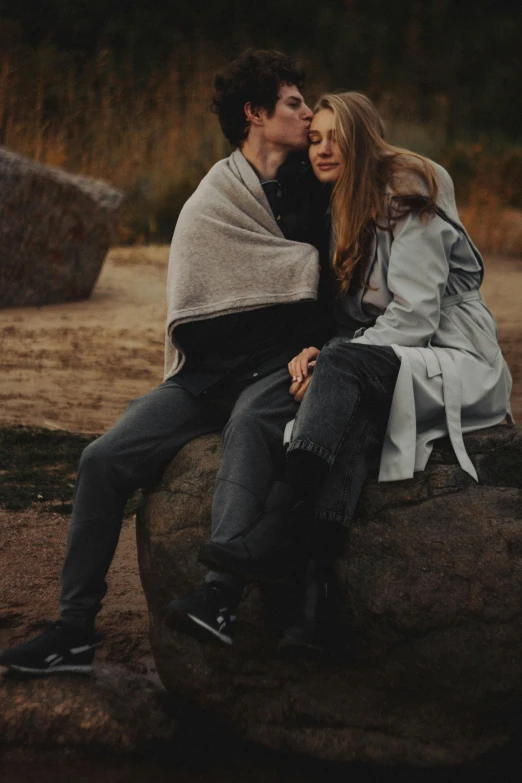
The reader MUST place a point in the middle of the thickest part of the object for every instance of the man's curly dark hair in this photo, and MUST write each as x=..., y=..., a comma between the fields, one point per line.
x=255, y=77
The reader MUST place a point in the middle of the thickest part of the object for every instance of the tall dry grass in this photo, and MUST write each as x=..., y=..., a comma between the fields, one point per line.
x=496, y=229
x=489, y=191
x=98, y=122
x=157, y=139
x=155, y=142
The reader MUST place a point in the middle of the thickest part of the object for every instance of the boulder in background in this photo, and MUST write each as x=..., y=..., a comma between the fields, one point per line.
x=55, y=230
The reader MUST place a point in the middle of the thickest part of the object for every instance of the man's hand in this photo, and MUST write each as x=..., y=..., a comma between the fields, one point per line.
x=300, y=371
x=297, y=389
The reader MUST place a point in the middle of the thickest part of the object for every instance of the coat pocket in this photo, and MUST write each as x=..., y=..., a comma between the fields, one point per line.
x=477, y=330
x=431, y=361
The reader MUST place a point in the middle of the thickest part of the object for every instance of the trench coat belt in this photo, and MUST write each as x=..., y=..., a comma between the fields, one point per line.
x=452, y=406
x=467, y=296
x=452, y=390
x=399, y=449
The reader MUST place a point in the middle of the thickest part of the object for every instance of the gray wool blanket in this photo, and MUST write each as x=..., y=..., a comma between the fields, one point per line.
x=229, y=255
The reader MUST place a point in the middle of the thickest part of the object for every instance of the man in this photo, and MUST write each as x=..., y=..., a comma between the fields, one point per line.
x=242, y=296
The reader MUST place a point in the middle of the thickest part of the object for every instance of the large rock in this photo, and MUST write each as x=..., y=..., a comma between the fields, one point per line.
x=432, y=581
x=55, y=230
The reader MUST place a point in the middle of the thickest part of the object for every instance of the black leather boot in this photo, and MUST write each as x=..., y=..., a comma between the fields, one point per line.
x=313, y=627
x=308, y=632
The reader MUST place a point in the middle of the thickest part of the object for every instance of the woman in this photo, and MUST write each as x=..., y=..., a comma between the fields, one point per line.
x=416, y=357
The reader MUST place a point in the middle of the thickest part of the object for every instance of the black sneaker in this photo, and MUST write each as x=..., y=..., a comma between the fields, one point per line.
x=205, y=614
x=59, y=649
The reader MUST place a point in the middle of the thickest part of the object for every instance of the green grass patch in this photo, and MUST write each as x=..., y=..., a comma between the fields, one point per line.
x=38, y=466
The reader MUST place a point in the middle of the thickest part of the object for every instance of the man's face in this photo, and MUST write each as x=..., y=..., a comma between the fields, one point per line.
x=288, y=126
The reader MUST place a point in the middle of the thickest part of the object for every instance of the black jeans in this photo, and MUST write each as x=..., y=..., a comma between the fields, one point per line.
x=136, y=450
x=342, y=421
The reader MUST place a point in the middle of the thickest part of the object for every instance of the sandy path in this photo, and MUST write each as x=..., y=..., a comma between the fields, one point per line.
x=75, y=366
x=32, y=546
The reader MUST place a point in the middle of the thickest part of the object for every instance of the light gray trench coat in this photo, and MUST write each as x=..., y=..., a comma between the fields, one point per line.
x=423, y=300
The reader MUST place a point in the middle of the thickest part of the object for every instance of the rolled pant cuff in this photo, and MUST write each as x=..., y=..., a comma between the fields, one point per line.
x=332, y=516
x=314, y=448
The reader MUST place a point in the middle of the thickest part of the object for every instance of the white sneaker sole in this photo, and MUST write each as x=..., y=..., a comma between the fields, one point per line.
x=87, y=669
x=221, y=636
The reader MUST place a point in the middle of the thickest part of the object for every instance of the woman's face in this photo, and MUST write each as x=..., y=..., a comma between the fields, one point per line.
x=325, y=155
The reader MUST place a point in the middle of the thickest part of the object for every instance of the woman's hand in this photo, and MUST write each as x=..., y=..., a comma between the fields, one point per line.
x=300, y=370
x=298, y=367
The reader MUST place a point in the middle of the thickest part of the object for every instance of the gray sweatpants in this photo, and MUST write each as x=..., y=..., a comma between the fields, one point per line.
x=136, y=450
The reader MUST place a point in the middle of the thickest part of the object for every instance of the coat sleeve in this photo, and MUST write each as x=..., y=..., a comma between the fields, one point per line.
x=417, y=275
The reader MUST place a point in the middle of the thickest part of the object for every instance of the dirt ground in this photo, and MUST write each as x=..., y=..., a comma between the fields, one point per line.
x=74, y=367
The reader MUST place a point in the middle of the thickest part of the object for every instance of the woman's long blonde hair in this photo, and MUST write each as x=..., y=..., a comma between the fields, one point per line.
x=372, y=189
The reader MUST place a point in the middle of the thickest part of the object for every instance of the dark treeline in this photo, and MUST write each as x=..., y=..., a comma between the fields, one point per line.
x=465, y=53
x=121, y=90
